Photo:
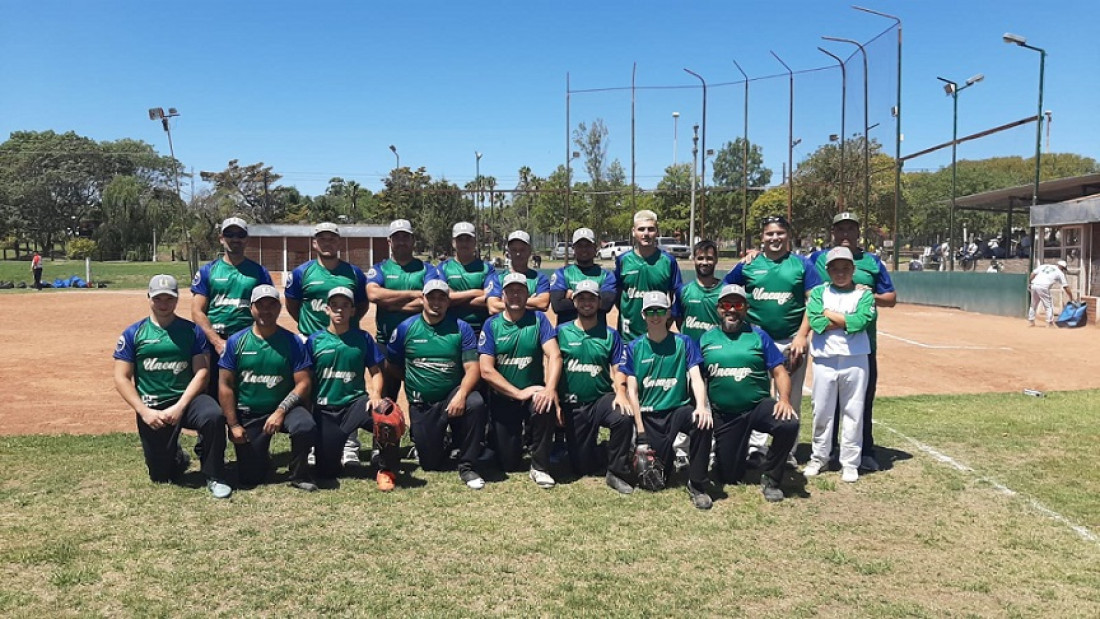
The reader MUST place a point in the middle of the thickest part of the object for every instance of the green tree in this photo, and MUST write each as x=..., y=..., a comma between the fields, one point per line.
x=725, y=199
x=251, y=190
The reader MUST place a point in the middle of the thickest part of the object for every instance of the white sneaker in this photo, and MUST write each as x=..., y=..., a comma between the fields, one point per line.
x=542, y=478
x=849, y=474
x=351, y=458
x=472, y=480
x=813, y=468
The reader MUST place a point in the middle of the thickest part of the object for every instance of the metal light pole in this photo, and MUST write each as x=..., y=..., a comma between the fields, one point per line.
x=866, y=224
x=157, y=113
x=790, y=141
x=703, y=176
x=675, y=127
x=843, y=130
x=478, y=200
x=952, y=89
x=745, y=166
x=394, y=149
x=1022, y=42
x=694, y=163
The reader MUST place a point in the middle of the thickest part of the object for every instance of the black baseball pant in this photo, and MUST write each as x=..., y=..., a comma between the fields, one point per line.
x=582, y=429
x=661, y=428
x=161, y=447
x=429, y=428
x=508, y=418
x=731, y=440
x=254, y=456
x=334, y=426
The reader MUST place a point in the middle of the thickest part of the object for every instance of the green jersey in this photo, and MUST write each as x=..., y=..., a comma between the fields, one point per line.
x=517, y=347
x=777, y=291
x=433, y=356
x=587, y=359
x=700, y=308
x=310, y=284
x=567, y=278
x=263, y=368
x=738, y=368
x=161, y=357
x=636, y=276
x=340, y=363
x=477, y=275
x=228, y=290
x=661, y=370
x=392, y=276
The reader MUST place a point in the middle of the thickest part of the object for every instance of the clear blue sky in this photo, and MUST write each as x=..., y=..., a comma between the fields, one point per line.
x=321, y=89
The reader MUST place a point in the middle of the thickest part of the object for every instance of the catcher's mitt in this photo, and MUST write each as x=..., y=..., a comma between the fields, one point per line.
x=790, y=365
x=389, y=424
x=649, y=468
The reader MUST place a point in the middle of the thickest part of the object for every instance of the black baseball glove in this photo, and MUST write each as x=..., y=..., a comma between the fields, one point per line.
x=648, y=467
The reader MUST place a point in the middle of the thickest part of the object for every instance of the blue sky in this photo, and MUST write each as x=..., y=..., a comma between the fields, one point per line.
x=321, y=89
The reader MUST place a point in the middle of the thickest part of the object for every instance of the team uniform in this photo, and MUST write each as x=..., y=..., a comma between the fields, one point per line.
x=635, y=276
x=738, y=369
x=664, y=394
x=264, y=373
x=477, y=275
x=162, y=360
x=537, y=283
x=432, y=359
x=586, y=396
x=310, y=284
x=392, y=276
x=340, y=363
x=1045, y=276
x=517, y=351
x=567, y=278
x=700, y=306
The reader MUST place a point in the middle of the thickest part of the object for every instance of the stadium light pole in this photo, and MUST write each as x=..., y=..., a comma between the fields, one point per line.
x=790, y=140
x=745, y=166
x=694, y=165
x=703, y=175
x=952, y=89
x=1016, y=39
x=157, y=113
x=866, y=140
x=478, y=199
x=394, y=150
x=843, y=115
x=675, y=129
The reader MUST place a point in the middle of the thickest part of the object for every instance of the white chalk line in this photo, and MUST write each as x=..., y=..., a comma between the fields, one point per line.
x=1080, y=530
x=939, y=347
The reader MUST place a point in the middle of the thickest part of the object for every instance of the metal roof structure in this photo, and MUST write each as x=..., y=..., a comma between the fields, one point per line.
x=1018, y=198
x=306, y=230
x=1067, y=213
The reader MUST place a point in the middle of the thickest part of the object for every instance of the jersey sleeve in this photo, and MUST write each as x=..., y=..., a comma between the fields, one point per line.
x=677, y=283
x=694, y=354
x=372, y=356
x=487, y=344
x=374, y=275
x=616, y=347
x=125, y=349
x=542, y=284
x=395, y=348
x=431, y=272
x=736, y=275
x=815, y=310
x=469, y=341
x=294, y=283
x=865, y=312
x=199, y=346
x=772, y=356
x=264, y=276
x=228, y=360
x=298, y=357
x=883, y=283
x=201, y=283
x=546, y=330
x=311, y=344
x=610, y=282
x=493, y=288
x=558, y=281
x=810, y=277
x=627, y=364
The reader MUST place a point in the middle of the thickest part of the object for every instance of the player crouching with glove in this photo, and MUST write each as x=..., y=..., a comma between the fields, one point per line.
x=655, y=366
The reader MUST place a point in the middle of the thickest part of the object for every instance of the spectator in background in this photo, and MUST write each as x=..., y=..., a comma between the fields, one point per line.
x=36, y=269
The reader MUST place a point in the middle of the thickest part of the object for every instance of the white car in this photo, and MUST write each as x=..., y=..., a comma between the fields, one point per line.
x=672, y=246
x=614, y=249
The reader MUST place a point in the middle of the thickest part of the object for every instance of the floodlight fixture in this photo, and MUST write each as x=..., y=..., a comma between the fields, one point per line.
x=975, y=79
x=1014, y=39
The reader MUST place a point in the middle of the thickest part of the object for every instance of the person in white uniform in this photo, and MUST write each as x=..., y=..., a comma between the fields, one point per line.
x=1042, y=279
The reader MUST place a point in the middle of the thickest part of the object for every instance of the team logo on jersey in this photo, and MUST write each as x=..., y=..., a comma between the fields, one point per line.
x=289, y=280
x=482, y=339
x=268, y=380
x=554, y=279
x=435, y=366
x=120, y=345
x=780, y=298
x=691, y=322
x=517, y=362
x=153, y=364
x=317, y=305
x=665, y=384
x=592, y=369
x=197, y=279
x=737, y=374
x=222, y=300
x=331, y=374
x=372, y=273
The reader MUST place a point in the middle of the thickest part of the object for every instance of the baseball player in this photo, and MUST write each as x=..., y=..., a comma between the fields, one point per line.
x=663, y=374
x=872, y=273
x=437, y=354
x=160, y=371
x=521, y=362
x=470, y=278
x=538, y=286
x=592, y=391
x=699, y=298
x=644, y=268
x=563, y=283
x=307, y=293
x=840, y=313
x=222, y=289
x=1039, y=283
x=343, y=357
x=36, y=270
x=777, y=282
x=264, y=385
x=741, y=363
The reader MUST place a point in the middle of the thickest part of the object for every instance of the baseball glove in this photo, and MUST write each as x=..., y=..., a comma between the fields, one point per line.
x=389, y=424
x=649, y=468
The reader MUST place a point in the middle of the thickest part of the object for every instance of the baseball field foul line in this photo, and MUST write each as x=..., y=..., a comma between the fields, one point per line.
x=1080, y=530
x=938, y=347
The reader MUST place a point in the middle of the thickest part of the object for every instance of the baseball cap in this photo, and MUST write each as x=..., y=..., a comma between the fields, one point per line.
x=461, y=228
x=400, y=225
x=845, y=216
x=326, y=226
x=839, y=253
x=729, y=289
x=519, y=235
x=234, y=221
x=1062, y=264
x=264, y=291
x=436, y=284
x=654, y=298
x=514, y=278
x=163, y=284
x=341, y=291
x=584, y=234
x=587, y=285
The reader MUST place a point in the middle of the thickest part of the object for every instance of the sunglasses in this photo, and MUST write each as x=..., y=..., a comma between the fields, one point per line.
x=655, y=311
x=775, y=219
x=726, y=306
x=235, y=235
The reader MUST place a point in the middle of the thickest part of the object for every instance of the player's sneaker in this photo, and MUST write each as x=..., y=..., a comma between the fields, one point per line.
x=755, y=459
x=304, y=485
x=180, y=465
x=350, y=457
x=472, y=480
x=849, y=474
x=386, y=481
x=700, y=499
x=618, y=484
x=868, y=463
x=542, y=478
x=218, y=489
x=771, y=490
x=813, y=468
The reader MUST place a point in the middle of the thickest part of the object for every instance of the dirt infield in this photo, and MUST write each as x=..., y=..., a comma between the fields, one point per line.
x=57, y=364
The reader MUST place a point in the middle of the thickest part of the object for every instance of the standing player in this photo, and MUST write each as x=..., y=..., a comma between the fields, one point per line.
x=660, y=367
x=307, y=294
x=521, y=361
x=563, y=283
x=1039, y=283
x=700, y=297
x=343, y=356
x=160, y=370
x=646, y=267
x=264, y=384
x=870, y=272
x=777, y=283
x=470, y=278
x=739, y=358
x=538, y=286
x=592, y=390
x=36, y=270
x=437, y=354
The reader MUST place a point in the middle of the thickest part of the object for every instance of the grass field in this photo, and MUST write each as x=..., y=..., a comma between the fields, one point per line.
x=115, y=274
x=85, y=533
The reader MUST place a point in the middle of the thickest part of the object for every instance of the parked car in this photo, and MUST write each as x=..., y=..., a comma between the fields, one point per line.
x=613, y=249
x=560, y=251
x=672, y=246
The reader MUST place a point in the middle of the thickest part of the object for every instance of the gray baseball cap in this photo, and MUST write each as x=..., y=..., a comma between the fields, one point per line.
x=264, y=291
x=839, y=253
x=400, y=225
x=341, y=291
x=585, y=234
x=729, y=289
x=235, y=221
x=655, y=298
x=163, y=284
x=519, y=235
x=587, y=285
x=513, y=278
x=462, y=228
x=436, y=284
x=845, y=216
x=326, y=226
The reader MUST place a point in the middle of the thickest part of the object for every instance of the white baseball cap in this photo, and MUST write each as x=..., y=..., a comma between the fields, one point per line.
x=839, y=253
x=655, y=298
x=461, y=228
x=1062, y=264
x=584, y=234
x=519, y=235
x=587, y=285
x=436, y=284
x=730, y=289
x=514, y=278
x=343, y=291
x=326, y=226
x=264, y=291
x=400, y=225
x=163, y=284
x=235, y=221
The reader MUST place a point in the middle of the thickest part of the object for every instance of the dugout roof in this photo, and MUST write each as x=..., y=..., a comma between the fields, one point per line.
x=1017, y=198
x=306, y=230
x=1079, y=211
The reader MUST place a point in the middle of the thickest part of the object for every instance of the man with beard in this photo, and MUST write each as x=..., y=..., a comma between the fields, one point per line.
x=563, y=283
x=646, y=267
x=538, y=286
x=700, y=297
x=741, y=363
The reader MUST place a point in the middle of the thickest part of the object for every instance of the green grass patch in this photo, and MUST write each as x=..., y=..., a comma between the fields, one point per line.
x=117, y=274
